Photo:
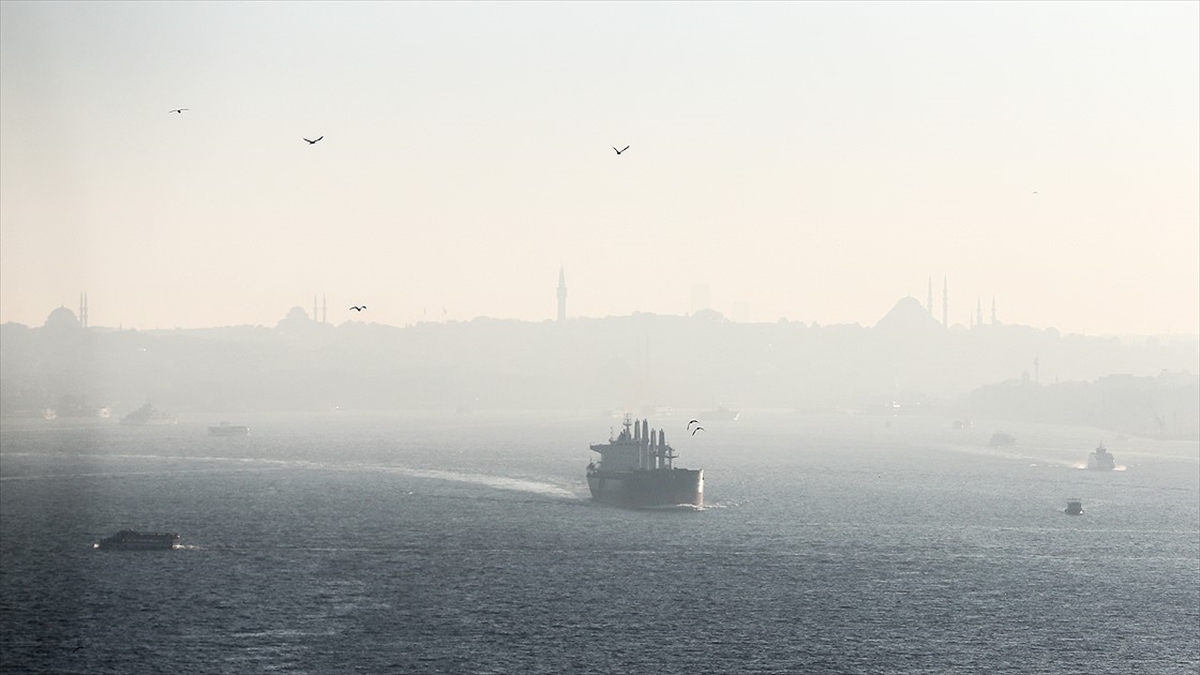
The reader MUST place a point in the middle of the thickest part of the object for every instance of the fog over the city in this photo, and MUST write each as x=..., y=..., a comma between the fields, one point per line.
x=808, y=161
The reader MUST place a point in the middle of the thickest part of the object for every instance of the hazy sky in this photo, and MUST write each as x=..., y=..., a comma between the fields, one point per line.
x=817, y=161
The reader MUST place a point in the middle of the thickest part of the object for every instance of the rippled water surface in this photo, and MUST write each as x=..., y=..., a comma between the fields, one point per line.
x=430, y=543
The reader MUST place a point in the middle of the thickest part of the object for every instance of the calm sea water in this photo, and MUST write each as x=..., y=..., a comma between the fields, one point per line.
x=429, y=543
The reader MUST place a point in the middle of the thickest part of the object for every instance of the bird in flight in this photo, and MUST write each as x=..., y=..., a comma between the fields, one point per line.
x=313, y=142
x=178, y=110
x=691, y=422
x=698, y=428
x=358, y=308
x=621, y=150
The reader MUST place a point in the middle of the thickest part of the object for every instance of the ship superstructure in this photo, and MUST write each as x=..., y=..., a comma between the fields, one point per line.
x=637, y=468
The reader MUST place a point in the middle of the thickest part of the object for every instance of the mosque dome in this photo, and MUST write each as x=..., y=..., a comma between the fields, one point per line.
x=295, y=318
x=61, y=318
x=908, y=316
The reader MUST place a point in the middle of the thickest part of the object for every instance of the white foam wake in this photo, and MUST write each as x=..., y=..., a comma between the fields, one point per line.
x=498, y=482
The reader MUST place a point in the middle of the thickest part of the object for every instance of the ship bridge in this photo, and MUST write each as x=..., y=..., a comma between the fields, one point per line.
x=637, y=447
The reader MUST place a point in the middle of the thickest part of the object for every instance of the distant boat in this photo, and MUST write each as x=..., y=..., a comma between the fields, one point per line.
x=720, y=414
x=147, y=416
x=227, y=429
x=131, y=540
x=657, y=409
x=1002, y=440
x=1074, y=507
x=1101, y=459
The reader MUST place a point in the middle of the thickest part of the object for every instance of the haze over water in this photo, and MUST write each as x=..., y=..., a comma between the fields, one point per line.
x=441, y=543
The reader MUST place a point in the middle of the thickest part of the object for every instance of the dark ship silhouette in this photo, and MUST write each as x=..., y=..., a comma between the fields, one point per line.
x=131, y=540
x=1101, y=459
x=637, y=469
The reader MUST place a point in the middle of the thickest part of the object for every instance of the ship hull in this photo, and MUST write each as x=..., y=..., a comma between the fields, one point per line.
x=642, y=488
x=141, y=546
x=128, y=540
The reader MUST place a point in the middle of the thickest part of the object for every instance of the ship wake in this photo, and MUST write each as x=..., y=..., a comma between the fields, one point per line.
x=497, y=482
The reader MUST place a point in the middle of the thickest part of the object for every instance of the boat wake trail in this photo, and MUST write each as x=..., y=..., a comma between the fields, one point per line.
x=241, y=464
x=497, y=482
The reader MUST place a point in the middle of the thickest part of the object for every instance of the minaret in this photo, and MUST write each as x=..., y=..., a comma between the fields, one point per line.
x=945, y=303
x=314, y=314
x=83, y=310
x=324, y=308
x=993, y=310
x=929, y=301
x=978, y=311
x=562, y=295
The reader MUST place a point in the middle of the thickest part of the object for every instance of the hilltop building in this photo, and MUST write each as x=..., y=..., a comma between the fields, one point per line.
x=562, y=295
x=324, y=309
x=62, y=319
x=945, y=303
x=908, y=319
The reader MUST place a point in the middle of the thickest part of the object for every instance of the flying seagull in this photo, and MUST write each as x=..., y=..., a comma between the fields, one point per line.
x=698, y=428
x=178, y=110
x=313, y=142
x=621, y=150
x=357, y=308
x=691, y=422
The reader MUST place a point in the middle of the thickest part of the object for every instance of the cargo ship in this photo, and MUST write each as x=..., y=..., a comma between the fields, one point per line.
x=637, y=469
x=130, y=540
